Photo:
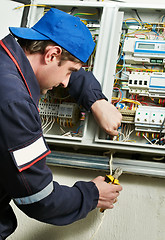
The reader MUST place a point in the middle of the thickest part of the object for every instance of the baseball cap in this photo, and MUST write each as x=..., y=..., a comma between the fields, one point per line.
x=62, y=28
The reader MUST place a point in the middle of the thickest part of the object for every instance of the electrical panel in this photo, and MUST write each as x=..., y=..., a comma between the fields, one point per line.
x=61, y=117
x=129, y=62
x=139, y=84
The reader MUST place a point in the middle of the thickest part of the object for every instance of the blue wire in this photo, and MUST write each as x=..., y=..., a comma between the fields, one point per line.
x=122, y=95
x=154, y=30
x=77, y=130
x=123, y=68
x=121, y=49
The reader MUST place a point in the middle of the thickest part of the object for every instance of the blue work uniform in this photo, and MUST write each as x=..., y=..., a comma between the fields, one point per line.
x=24, y=176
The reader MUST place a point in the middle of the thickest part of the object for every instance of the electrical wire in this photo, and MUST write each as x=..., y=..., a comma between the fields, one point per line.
x=103, y=214
x=32, y=5
x=121, y=95
x=137, y=14
x=128, y=19
x=147, y=139
x=126, y=138
x=52, y=123
x=148, y=26
x=161, y=129
x=139, y=69
x=121, y=49
x=111, y=163
x=88, y=14
x=127, y=100
x=101, y=221
x=72, y=10
x=47, y=119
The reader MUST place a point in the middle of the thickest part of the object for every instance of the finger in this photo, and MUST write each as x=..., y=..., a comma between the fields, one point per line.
x=118, y=188
x=117, y=194
x=114, y=132
x=115, y=200
x=111, y=206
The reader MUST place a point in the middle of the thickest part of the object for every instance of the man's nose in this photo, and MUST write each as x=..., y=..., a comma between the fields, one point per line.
x=65, y=82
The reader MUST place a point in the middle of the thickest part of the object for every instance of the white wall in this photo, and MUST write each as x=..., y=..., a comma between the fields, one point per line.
x=8, y=16
x=138, y=214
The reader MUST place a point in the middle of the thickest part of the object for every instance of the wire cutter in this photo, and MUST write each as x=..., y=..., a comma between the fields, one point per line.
x=113, y=179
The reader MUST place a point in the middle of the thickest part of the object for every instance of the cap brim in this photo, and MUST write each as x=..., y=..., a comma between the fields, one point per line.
x=27, y=33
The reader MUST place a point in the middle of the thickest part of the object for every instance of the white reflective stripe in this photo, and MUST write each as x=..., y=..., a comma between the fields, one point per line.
x=35, y=197
x=30, y=152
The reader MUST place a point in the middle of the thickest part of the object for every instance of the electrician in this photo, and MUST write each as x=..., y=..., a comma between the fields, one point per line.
x=47, y=54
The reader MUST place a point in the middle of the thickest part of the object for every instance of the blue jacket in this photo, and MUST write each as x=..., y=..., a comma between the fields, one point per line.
x=24, y=176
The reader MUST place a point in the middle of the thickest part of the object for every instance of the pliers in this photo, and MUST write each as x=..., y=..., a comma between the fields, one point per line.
x=113, y=179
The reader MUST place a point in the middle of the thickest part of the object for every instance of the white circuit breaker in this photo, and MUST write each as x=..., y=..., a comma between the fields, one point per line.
x=147, y=84
x=150, y=119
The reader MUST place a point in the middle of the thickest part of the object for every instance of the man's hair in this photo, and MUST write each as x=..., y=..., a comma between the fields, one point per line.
x=32, y=46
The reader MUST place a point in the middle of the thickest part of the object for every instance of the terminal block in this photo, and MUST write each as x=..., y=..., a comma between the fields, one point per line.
x=48, y=109
x=63, y=113
x=128, y=115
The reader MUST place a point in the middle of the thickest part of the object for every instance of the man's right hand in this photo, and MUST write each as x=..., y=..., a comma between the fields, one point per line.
x=108, y=193
x=107, y=116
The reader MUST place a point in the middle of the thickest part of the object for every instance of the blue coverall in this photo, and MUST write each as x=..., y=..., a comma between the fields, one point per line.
x=24, y=176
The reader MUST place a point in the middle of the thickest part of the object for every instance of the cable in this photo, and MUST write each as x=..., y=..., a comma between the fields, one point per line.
x=127, y=136
x=32, y=5
x=139, y=69
x=137, y=14
x=147, y=139
x=121, y=49
x=53, y=121
x=72, y=10
x=121, y=95
x=158, y=158
x=127, y=100
x=134, y=20
x=110, y=172
x=161, y=129
x=111, y=163
x=88, y=14
x=47, y=119
x=102, y=217
x=48, y=123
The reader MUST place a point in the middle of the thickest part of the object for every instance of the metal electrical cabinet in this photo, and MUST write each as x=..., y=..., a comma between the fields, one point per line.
x=138, y=81
x=129, y=63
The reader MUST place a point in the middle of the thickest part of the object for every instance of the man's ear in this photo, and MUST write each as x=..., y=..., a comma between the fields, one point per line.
x=52, y=53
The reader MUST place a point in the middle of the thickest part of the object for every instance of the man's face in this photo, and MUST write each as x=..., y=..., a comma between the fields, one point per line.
x=54, y=75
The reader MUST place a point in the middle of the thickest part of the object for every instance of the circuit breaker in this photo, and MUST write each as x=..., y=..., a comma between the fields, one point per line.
x=129, y=62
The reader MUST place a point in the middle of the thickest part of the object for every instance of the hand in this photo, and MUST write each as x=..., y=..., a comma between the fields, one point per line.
x=108, y=193
x=107, y=116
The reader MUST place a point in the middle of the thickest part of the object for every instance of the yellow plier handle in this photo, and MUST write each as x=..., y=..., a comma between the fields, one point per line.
x=110, y=179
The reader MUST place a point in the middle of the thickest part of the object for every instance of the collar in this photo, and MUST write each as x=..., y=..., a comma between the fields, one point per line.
x=19, y=58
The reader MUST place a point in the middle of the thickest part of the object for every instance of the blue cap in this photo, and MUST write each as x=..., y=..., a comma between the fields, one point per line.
x=64, y=29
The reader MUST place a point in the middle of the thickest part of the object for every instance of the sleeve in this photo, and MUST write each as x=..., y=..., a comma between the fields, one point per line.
x=27, y=179
x=84, y=88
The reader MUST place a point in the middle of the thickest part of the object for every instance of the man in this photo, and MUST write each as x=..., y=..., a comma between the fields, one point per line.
x=53, y=49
